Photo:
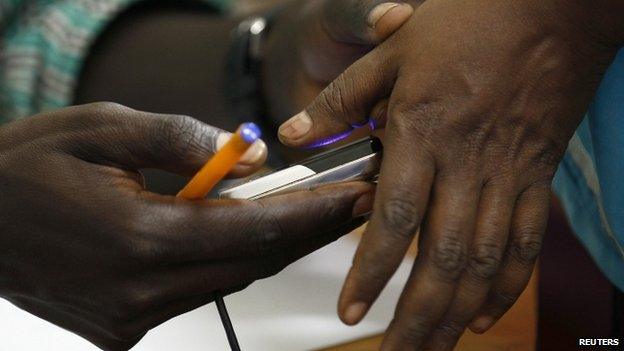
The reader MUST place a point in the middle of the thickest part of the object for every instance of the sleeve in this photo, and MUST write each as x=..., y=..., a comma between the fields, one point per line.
x=43, y=45
x=589, y=180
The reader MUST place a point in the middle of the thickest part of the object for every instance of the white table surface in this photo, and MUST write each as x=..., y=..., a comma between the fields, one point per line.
x=295, y=310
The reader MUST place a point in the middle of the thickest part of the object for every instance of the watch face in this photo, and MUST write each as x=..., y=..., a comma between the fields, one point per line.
x=360, y=160
x=256, y=29
x=242, y=80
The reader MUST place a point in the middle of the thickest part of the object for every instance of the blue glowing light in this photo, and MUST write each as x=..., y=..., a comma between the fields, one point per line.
x=250, y=132
x=330, y=140
x=360, y=125
x=371, y=123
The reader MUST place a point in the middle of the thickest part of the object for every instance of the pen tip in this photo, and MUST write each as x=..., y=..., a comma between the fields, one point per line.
x=250, y=132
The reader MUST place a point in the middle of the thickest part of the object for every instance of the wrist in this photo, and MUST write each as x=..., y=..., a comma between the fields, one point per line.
x=598, y=22
x=602, y=20
x=569, y=38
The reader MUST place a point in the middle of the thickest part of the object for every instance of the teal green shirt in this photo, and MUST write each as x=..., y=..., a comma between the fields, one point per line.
x=43, y=44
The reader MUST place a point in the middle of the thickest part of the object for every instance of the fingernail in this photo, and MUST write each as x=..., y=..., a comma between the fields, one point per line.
x=364, y=205
x=253, y=155
x=481, y=324
x=222, y=139
x=379, y=11
x=297, y=126
x=355, y=312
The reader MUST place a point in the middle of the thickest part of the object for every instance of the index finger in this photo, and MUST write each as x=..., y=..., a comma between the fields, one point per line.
x=403, y=193
x=216, y=229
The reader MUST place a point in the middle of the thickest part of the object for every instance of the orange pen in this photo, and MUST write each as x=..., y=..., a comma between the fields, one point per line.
x=211, y=173
x=221, y=163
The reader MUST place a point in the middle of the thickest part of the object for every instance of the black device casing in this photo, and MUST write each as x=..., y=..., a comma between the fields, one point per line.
x=359, y=160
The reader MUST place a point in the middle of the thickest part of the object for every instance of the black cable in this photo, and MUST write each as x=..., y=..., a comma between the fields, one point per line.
x=243, y=89
x=227, y=324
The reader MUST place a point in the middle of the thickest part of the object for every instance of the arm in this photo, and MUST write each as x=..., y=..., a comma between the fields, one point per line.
x=482, y=98
x=170, y=57
x=85, y=246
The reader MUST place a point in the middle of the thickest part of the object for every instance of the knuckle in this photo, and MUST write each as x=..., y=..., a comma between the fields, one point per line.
x=485, y=260
x=548, y=158
x=542, y=150
x=107, y=107
x=503, y=300
x=332, y=99
x=139, y=239
x=138, y=245
x=401, y=216
x=412, y=116
x=526, y=245
x=450, y=329
x=269, y=230
x=268, y=239
x=177, y=133
x=337, y=101
x=414, y=329
x=99, y=113
x=371, y=275
x=141, y=252
x=332, y=206
x=91, y=116
x=449, y=256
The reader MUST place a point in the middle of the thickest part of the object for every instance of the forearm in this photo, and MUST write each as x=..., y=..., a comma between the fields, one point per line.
x=601, y=19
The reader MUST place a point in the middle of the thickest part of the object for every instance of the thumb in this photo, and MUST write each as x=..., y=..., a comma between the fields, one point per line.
x=364, y=22
x=345, y=104
x=120, y=136
x=344, y=30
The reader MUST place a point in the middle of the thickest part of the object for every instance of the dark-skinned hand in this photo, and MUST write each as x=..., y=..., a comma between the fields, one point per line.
x=86, y=247
x=312, y=42
x=479, y=99
x=120, y=260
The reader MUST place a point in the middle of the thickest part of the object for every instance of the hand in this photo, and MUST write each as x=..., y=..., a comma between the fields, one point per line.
x=312, y=42
x=482, y=98
x=85, y=246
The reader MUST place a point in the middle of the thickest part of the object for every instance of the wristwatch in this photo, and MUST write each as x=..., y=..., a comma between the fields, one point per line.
x=243, y=80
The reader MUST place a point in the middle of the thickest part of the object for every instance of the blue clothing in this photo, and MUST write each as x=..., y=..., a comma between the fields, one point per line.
x=590, y=180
